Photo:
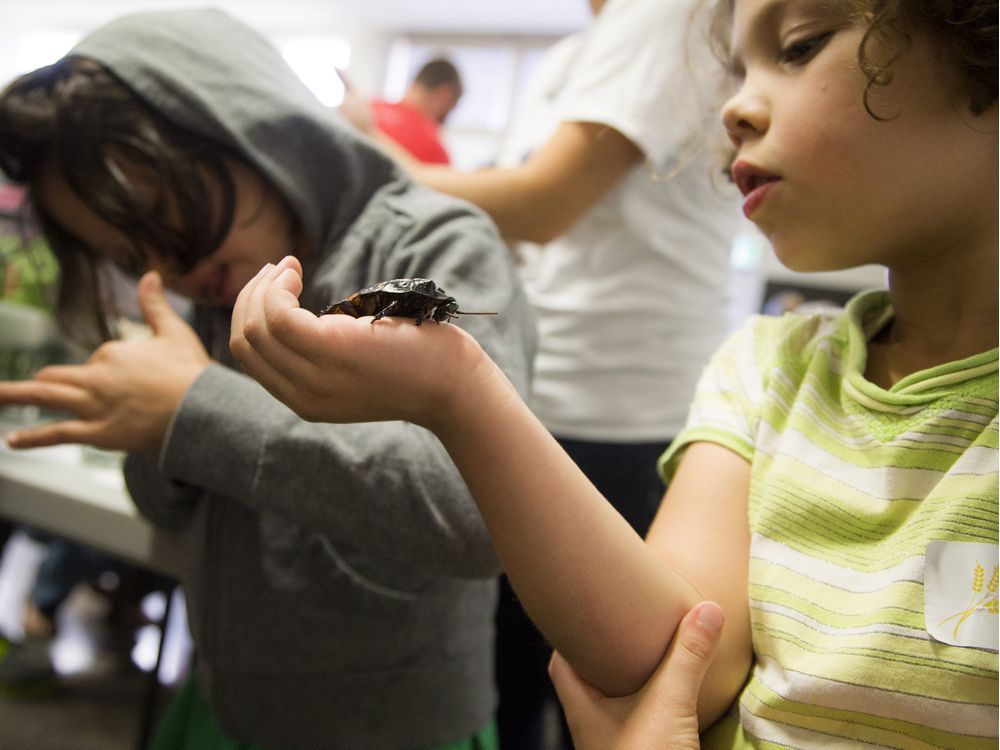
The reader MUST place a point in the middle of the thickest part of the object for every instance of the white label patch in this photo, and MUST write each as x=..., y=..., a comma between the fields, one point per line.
x=960, y=593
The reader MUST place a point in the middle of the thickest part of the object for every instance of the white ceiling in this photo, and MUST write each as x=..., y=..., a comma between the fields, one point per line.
x=485, y=16
x=544, y=17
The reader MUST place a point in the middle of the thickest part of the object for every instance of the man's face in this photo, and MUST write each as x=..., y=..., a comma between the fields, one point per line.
x=443, y=100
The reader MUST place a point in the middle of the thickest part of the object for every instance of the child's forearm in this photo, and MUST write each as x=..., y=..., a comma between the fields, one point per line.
x=584, y=576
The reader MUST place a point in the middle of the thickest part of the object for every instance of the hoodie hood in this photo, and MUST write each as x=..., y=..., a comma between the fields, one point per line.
x=213, y=75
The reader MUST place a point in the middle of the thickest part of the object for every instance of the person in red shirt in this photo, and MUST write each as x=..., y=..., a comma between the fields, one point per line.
x=414, y=121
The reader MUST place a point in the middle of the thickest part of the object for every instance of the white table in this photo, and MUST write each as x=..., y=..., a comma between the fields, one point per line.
x=74, y=493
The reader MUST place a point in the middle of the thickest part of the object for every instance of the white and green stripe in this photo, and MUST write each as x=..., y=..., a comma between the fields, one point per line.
x=849, y=485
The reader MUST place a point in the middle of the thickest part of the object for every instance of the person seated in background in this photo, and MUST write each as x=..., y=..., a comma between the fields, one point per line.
x=414, y=122
x=340, y=583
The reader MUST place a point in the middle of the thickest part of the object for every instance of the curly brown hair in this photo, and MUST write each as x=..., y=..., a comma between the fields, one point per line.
x=76, y=116
x=965, y=29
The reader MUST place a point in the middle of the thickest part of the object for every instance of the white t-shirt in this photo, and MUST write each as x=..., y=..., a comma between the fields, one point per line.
x=632, y=300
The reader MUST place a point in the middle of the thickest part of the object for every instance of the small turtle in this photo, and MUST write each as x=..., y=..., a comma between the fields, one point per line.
x=420, y=299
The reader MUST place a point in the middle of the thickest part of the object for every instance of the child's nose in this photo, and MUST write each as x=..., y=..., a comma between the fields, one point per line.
x=745, y=116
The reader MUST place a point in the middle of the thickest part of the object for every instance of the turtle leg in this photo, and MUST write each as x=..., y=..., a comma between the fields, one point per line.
x=425, y=313
x=385, y=310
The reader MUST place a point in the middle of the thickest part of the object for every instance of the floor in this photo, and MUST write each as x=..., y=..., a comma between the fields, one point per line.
x=90, y=712
x=100, y=698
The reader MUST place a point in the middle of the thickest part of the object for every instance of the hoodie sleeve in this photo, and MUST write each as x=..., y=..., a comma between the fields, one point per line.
x=388, y=488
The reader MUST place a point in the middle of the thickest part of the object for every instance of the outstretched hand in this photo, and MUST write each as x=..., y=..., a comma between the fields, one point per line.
x=664, y=713
x=336, y=368
x=357, y=111
x=355, y=107
x=124, y=395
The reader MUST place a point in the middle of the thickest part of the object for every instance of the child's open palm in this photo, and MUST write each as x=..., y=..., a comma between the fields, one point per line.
x=336, y=368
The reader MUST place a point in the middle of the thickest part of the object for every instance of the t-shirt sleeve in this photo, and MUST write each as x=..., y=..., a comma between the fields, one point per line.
x=727, y=400
x=632, y=73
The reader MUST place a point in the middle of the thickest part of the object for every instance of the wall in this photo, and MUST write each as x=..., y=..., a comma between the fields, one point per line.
x=36, y=32
x=367, y=24
x=22, y=19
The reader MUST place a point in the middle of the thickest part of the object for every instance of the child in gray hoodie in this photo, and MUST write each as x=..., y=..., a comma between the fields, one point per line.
x=339, y=579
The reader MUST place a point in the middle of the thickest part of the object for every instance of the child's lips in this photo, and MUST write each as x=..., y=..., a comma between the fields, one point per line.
x=754, y=183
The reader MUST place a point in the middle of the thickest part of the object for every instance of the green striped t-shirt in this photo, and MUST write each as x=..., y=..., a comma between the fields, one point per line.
x=873, y=522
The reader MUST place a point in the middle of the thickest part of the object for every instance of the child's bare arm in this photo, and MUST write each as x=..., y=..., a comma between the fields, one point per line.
x=605, y=599
x=701, y=531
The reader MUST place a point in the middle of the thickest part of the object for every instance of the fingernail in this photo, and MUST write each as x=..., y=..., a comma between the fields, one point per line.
x=710, y=616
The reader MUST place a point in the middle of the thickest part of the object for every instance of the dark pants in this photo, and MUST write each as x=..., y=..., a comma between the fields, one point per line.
x=625, y=473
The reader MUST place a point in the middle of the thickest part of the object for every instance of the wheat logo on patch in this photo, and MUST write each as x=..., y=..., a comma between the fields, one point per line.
x=960, y=602
x=981, y=601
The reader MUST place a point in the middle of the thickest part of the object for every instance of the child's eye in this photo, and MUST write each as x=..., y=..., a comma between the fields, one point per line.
x=799, y=53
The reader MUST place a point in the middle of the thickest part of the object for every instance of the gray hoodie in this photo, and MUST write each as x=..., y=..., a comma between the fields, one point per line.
x=339, y=578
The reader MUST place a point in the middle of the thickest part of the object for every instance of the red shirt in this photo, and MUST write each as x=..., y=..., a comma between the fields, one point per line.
x=411, y=129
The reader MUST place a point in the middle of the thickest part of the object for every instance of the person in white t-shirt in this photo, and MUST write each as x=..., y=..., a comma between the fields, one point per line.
x=610, y=199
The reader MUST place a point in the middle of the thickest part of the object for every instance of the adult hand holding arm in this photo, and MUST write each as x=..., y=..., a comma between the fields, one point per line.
x=663, y=714
x=124, y=395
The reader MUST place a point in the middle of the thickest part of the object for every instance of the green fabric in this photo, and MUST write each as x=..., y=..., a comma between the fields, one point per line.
x=189, y=724
x=487, y=739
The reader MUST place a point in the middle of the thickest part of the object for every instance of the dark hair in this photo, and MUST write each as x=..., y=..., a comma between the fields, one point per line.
x=966, y=31
x=77, y=117
x=439, y=72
